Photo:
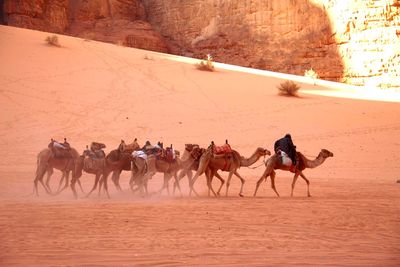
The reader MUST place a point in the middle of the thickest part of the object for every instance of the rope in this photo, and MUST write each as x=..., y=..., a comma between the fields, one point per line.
x=263, y=163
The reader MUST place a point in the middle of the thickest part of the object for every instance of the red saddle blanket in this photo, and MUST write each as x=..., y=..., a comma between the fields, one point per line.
x=222, y=149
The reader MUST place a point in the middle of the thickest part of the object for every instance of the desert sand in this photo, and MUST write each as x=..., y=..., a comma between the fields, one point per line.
x=90, y=91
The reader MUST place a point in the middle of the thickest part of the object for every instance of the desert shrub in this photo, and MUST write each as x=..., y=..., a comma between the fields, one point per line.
x=288, y=88
x=53, y=40
x=311, y=74
x=147, y=57
x=207, y=64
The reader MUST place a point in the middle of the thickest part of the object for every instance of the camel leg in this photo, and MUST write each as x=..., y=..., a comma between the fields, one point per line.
x=106, y=185
x=191, y=184
x=209, y=176
x=165, y=185
x=96, y=181
x=49, y=174
x=259, y=182
x=115, y=179
x=190, y=176
x=177, y=183
x=66, y=175
x=60, y=183
x=39, y=177
x=103, y=180
x=273, y=183
x=181, y=174
x=222, y=182
x=228, y=182
x=242, y=180
x=73, y=181
x=294, y=182
x=308, y=184
x=44, y=185
x=80, y=185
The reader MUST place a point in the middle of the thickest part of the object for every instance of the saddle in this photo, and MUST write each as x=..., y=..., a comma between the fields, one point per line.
x=224, y=149
x=221, y=150
x=169, y=155
x=61, y=153
x=92, y=159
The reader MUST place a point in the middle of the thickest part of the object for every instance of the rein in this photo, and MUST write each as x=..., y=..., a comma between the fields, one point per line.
x=263, y=163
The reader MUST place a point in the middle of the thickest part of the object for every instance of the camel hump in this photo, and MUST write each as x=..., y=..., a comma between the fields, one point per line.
x=300, y=158
x=236, y=157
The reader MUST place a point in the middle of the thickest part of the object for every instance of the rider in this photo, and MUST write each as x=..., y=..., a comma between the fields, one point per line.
x=286, y=149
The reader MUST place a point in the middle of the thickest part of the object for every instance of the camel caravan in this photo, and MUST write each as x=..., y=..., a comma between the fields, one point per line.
x=143, y=162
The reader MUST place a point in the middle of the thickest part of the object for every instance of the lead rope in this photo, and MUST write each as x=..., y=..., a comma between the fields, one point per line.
x=263, y=163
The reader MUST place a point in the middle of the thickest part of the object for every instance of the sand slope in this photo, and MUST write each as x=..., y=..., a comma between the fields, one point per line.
x=88, y=91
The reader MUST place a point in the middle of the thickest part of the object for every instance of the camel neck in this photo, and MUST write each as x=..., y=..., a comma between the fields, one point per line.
x=250, y=161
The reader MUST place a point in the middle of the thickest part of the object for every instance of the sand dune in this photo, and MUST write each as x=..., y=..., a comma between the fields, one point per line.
x=89, y=91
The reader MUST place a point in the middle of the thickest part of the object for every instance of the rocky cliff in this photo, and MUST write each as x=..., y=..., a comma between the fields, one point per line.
x=116, y=21
x=354, y=41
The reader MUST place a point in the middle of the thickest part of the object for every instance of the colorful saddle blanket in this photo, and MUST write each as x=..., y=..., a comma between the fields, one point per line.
x=225, y=149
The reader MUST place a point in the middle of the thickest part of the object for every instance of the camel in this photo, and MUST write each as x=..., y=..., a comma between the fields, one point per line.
x=154, y=165
x=229, y=163
x=140, y=174
x=190, y=162
x=46, y=162
x=115, y=155
x=274, y=163
x=84, y=163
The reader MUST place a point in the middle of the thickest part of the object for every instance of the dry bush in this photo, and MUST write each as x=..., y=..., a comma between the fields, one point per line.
x=288, y=88
x=207, y=65
x=311, y=74
x=148, y=57
x=53, y=40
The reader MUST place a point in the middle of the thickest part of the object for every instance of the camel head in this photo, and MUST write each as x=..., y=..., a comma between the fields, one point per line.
x=190, y=147
x=97, y=146
x=263, y=152
x=326, y=153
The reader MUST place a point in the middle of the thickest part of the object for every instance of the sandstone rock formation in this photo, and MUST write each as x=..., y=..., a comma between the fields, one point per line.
x=353, y=41
x=115, y=21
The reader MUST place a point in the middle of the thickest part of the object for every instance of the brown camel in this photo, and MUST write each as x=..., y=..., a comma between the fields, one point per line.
x=227, y=162
x=154, y=165
x=46, y=162
x=190, y=162
x=116, y=155
x=90, y=164
x=274, y=163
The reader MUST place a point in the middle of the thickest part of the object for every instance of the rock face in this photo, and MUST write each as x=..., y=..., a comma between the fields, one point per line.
x=335, y=38
x=41, y=15
x=353, y=41
x=115, y=21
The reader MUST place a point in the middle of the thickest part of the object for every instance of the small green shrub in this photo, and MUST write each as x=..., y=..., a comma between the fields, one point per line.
x=53, y=40
x=288, y=88
x=207, y=65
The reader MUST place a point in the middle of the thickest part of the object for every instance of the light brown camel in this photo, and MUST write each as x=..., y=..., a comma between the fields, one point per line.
x=274, y=163
x=140, y=174
x=154, y=165
x=190, y=162
x=46, y=162
x=95, y=165
x=229, y=162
